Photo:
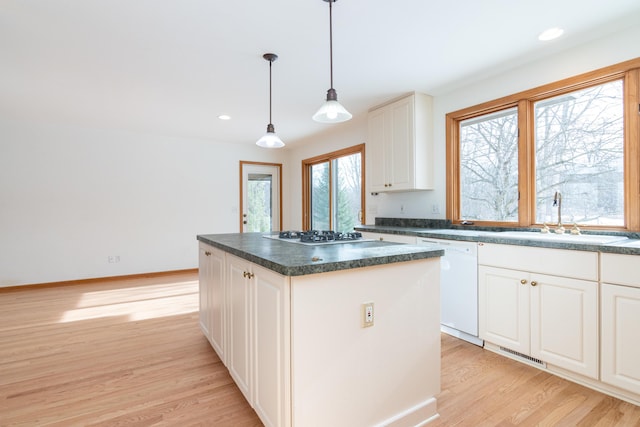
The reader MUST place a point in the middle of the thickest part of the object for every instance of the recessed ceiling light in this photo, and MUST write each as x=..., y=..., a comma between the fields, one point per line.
x=224, y=117
x=550, y=34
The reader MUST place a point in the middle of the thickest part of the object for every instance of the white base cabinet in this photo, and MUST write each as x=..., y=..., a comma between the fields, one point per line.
x=244, y=311
x=504, y=308
x=620, y=312
x=296, y=347
x=547, y=317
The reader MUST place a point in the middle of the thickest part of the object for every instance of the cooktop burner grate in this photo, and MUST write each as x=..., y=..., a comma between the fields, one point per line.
x=320, y=236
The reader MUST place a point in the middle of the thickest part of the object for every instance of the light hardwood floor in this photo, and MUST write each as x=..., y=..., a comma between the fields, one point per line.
x=129, y=352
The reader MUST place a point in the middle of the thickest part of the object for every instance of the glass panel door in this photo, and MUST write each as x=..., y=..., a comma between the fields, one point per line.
x=336, y=193
x=348, y=197
x=320, y=196
x=260, y=198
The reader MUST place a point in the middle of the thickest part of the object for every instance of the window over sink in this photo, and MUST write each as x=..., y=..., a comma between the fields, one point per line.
x=578, y=138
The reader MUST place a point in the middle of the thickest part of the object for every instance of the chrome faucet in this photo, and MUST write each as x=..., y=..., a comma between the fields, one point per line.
x=557, y=201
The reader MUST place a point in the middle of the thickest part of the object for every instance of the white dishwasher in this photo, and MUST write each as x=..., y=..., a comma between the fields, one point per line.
x=458, y=288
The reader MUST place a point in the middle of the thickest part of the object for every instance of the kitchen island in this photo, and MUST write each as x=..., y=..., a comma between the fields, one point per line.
x=288, y=321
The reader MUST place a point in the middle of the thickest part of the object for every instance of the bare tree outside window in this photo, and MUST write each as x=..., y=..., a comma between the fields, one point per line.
x=489, y=167
x=580, y=153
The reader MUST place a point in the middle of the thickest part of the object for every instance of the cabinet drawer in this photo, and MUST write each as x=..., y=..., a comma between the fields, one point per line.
x=620, y=269
x=557, y=262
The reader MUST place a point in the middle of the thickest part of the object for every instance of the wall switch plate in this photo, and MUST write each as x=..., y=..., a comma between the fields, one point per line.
x=367, y=314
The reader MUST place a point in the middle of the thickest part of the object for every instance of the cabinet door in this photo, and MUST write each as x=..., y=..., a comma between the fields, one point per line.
x=401, y=148
x=238, y=359
x=503, y=302
x=271, y=347
x=620, y=347
x=376, y=143
x=204, y=279
x=564, y=323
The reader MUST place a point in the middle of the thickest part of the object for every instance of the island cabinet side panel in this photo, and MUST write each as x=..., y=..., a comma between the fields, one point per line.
x=344, y=374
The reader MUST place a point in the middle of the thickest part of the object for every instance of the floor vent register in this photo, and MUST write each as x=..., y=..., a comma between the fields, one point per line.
x=524, y=357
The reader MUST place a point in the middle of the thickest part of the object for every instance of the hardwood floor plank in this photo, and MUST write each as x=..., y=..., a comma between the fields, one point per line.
x=129, y=352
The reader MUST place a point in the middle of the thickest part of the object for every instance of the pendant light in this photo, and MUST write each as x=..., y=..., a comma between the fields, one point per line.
x=270, y=139
x=331, y=111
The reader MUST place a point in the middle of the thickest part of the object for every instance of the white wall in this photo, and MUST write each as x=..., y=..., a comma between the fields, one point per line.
x=608, y=50
x=70, y=197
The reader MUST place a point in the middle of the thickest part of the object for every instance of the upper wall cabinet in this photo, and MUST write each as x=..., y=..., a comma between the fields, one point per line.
x=400, y=145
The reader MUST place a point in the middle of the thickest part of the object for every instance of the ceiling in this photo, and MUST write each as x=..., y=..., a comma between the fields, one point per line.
x=172, y=66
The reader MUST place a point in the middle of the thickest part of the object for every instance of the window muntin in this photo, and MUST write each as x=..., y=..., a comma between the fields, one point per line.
x=489, y=167
x=579, y=152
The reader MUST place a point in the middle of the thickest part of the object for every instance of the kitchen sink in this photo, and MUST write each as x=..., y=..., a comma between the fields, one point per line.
x=628, y=244
x=457, y=232
x=590, y=239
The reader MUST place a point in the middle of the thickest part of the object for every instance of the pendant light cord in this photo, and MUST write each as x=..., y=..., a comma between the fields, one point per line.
x=331, y=43
x=270, y=63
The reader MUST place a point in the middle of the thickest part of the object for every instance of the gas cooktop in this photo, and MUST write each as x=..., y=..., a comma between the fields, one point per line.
x=317, y=237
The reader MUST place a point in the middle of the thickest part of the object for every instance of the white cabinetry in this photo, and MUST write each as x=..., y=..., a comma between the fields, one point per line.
x=620, y=317
x=258, y=353
x=239, y=315
x=244, y=312
x=396, y=238
x=551, y=317
x=400, y=145
x=212, y=296
x=271, y=347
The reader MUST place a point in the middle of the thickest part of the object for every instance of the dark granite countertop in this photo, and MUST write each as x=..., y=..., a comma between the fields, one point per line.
x=628, y=243
x=294, y=259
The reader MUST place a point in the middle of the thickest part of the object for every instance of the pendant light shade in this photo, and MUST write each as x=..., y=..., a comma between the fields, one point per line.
x=331, y=111
x=270, y=139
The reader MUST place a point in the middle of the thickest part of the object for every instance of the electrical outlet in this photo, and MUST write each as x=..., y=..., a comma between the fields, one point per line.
x=367, y=314
x=435, y=209
x=111, y=259
x=401, y=209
